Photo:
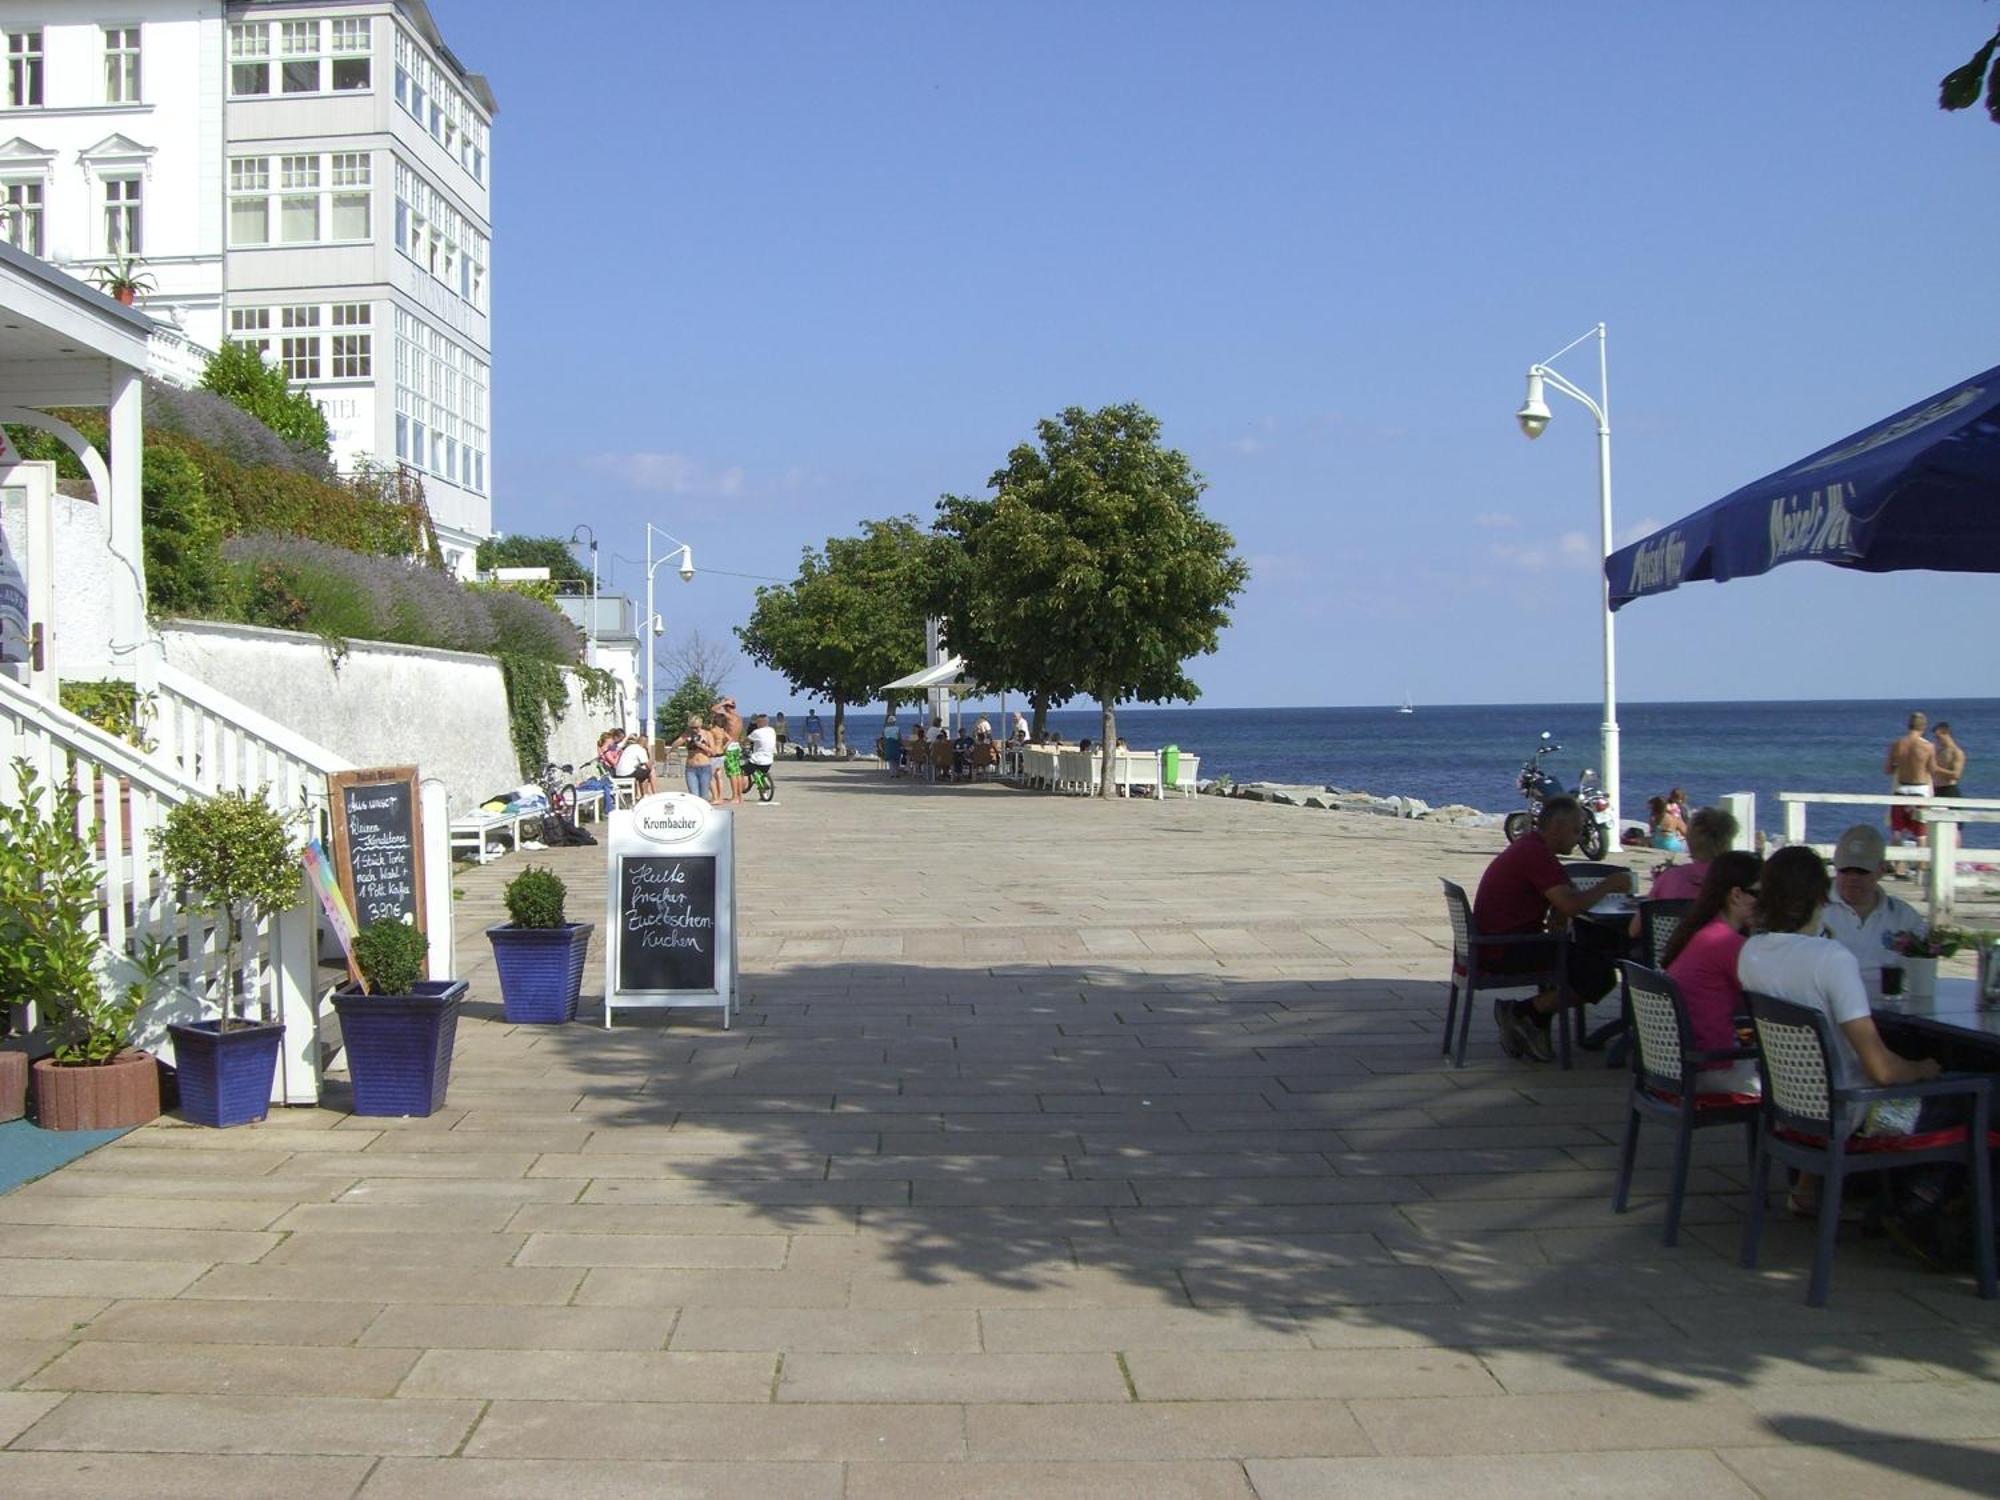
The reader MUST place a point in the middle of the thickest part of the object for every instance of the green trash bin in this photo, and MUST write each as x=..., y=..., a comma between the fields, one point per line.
x=1170, y=768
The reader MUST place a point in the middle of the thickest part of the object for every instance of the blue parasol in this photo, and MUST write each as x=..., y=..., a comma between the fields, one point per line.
x=1920, y=489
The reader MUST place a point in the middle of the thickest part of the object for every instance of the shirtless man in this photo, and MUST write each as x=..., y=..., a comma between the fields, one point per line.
x=1949, y=768
x=1908, y=765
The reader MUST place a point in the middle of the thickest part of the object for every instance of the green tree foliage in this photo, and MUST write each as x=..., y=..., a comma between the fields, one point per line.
x=532, y=552
x=1092, y=569
x=238, y=373
x=1961, y=87
x=852, y=620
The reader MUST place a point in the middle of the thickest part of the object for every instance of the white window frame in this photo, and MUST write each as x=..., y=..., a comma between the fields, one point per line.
x=123, y=197
x=122, y=75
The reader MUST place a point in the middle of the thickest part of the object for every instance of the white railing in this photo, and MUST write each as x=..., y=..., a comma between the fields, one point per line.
x=1938, y=852
x=126, y=795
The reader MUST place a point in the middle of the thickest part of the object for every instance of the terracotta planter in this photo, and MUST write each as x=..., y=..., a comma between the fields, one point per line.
x=13, y=1085
x=115, y=1095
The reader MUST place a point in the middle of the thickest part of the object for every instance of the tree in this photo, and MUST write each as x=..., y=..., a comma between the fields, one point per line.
x=1093, y=567
x=531, y=552
x=852, y=620
x=700, y=666
x=1960, y=88
x=237, y=373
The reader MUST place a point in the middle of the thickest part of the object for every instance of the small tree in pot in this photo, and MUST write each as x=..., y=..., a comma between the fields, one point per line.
x=398, y=1027
x=539, y=955
x=233, y=857
x=51, y=957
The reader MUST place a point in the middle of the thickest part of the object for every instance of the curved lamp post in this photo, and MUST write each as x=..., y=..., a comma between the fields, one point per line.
x=1534, y=418
x=650, y=630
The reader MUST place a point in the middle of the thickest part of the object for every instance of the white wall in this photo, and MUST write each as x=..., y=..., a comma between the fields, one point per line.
x=445, y=711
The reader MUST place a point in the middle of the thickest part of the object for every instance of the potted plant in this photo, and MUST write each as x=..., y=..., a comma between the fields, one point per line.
x=123, y=279
x=232, y=857
x=397, y=1026
x=539, y=955
x=51, y=957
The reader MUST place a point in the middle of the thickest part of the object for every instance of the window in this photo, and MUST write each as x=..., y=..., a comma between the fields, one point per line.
x=250, y=201
x=121, y=216
x=350, y=53
x=298, y=352
x=250, y=58
x=252, y=326
x=23, y=224
x=24, y=70
x=121, y=65
x=298, y=204
x=351, y=177
x=351, y=354
x=298, y=45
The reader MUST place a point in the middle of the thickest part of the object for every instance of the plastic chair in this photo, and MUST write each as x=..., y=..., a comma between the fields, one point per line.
x=1808, y=1122
x=1666, y=1066
x=1467, y=982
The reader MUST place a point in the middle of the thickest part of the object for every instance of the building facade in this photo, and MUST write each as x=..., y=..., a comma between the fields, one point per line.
x=311, y=179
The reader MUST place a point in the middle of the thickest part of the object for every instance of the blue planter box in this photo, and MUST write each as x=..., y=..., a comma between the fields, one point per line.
x=225, y=1076
x=399, y=1046
x=541, y=970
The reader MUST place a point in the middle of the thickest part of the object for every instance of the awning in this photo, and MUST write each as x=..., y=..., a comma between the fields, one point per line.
x=1920, y=489
x=947, y=673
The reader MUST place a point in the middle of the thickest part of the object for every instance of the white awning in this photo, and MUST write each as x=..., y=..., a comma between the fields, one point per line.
x=947, y=673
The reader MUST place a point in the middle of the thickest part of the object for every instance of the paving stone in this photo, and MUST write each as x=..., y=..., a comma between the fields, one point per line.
x=226, y=1369
x=590, y=1375
x=1630, y=1476
x=950, y=1377
x=511, y=1479
x=87, y=1423
x=700, y=1431
x=174, y=1476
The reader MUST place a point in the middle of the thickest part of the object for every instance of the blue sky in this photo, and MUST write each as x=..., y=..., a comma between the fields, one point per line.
x=763, y=270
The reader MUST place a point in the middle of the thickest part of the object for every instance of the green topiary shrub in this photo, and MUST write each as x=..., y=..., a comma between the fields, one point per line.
x=391, y=957
x=535, y=898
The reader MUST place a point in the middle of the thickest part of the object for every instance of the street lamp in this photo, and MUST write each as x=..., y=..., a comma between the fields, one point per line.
x=589, y=630
x=650, y=631
x=1534, y=419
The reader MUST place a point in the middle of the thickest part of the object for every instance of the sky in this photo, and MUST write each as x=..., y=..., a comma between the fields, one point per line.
x=765, y=270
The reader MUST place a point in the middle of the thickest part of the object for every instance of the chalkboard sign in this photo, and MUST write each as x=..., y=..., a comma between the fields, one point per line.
x=378, y=844
x=666, y=927
x=670, y=907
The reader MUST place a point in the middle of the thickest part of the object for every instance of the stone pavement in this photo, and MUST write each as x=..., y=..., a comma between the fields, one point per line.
x=1060, y=1149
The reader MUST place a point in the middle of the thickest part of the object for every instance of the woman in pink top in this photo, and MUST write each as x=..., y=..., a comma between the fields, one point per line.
x=1701, y=959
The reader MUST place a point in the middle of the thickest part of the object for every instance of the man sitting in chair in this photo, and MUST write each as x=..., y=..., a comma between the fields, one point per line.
x=1523, y=891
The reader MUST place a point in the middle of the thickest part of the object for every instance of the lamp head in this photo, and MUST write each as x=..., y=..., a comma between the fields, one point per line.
x=1534, y=413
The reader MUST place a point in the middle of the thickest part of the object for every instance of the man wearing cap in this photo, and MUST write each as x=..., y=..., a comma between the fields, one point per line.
x=1860, y=915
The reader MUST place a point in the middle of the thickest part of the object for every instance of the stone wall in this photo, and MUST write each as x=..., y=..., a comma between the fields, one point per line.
x=379, y=705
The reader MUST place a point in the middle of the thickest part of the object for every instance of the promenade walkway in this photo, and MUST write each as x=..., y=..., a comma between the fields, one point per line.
x=1061, y=1149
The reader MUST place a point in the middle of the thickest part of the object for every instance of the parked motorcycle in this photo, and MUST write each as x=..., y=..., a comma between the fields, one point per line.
x=1537, y=786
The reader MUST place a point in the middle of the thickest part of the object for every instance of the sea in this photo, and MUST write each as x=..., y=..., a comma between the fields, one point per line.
x=1472, y=753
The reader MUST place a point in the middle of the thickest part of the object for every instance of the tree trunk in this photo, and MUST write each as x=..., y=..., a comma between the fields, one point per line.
x=1108, y=760
x=839, y=725
x=1039, y=726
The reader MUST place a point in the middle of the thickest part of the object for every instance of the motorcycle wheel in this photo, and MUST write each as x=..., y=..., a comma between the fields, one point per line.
x=1592, y=840
x=1518, y=823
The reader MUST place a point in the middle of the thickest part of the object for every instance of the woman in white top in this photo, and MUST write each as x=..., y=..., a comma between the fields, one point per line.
x=1790, y=959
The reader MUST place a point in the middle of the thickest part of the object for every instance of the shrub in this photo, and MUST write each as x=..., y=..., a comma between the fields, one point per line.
x=390, y=956
x=535, y=898
x=238, y=373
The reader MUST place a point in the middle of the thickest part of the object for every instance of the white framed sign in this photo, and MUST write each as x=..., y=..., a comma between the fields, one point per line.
x=670, y=907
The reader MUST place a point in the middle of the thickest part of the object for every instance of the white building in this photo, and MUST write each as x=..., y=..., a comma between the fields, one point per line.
x=313, y=179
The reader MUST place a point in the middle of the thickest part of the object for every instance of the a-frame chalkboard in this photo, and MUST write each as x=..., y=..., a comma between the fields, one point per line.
x=378, y=843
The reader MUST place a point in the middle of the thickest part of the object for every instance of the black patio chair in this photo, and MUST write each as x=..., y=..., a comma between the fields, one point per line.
x=1808, y=1122
x=1666, y=1066
x=1468, y=981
